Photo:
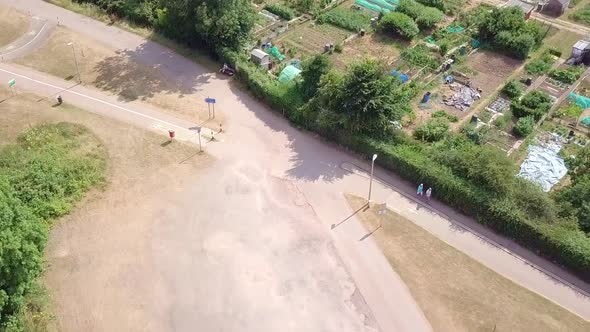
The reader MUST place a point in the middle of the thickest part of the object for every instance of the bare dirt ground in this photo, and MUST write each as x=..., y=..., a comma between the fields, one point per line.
x=456, y=292
x=13, y=24
x=115, y=71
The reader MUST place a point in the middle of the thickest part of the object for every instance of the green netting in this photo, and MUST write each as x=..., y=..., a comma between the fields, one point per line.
x=384, y=6
x=583, y=102
x=430, y=40
x=455, y=29
x=288, y=74
x=586, y=121
x=274, y=51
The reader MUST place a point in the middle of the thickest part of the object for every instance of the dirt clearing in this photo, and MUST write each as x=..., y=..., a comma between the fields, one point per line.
x=117, y=72
x=13, y=24
x=456, y=292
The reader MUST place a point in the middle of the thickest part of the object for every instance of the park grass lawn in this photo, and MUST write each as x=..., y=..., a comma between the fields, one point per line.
x=456, y=292
x=13, y=24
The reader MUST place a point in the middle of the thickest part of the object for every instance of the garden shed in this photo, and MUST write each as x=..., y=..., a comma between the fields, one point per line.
x=260, y=58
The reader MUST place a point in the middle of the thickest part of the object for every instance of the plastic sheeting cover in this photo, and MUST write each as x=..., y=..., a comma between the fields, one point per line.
x=543, y=165
x=582, y=101
x=289, y=73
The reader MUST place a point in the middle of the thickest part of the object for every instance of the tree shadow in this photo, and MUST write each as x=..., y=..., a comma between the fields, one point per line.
x=142, y=73
x=310, y=161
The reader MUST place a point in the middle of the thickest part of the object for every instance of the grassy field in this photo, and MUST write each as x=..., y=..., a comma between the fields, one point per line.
x=135, y=156
x=116, y=72
x=13, y=24
x=562, y=40
x=456, y=292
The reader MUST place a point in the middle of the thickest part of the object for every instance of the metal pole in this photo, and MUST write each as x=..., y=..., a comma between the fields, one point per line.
x=76, y=62
x=213, y=110
x=371, y=180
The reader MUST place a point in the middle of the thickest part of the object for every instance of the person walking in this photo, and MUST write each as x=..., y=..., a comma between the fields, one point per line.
x=420, y=190
x=428, y=193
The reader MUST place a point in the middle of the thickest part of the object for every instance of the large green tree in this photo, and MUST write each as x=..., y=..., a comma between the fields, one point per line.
x=313, y=70
x=365, y=97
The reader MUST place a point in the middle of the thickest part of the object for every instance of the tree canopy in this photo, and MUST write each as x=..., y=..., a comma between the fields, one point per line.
x=365, y=97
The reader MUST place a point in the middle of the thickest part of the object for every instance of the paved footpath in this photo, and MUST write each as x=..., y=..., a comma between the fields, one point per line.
x=322, y=174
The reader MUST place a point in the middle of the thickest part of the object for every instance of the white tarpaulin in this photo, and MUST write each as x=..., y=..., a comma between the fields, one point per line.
x=543, y=165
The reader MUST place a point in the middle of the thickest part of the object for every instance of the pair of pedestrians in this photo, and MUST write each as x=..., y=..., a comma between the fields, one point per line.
x=420, y=191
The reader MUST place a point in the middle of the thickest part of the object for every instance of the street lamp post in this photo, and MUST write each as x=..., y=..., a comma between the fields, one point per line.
x=75, y=61
x=371, y=180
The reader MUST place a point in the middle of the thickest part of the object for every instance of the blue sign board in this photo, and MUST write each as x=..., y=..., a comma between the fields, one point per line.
x=210, y=100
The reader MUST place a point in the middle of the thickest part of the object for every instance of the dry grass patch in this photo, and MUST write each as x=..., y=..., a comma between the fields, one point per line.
x=117, y=72
x=13, y=24
x=456, y=292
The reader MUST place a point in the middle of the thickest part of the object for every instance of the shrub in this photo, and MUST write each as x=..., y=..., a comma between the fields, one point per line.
x=540, y=65
x=42, y=176
x=445, y=115
x=581, y=15
x=568, y=75
x=280, y=10
x=504, y=122
x=512, y=89
x=419, y=56
x=555, y=52
x=432, y=130
x=338, y=48
x=478, y=136
x=399, y=24
x=346, y=19
x=534, y=104
x=524, y=126
x=425, y=17
x=508, y=31
x=440, y=4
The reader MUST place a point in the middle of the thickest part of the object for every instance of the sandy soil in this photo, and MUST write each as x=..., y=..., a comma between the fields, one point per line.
x=456, y=292
x=13, y=24
x=117, y=72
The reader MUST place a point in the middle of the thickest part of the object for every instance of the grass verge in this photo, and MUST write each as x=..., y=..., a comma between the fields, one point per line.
x=456, y=292
x=42, y=176
x=13, y=24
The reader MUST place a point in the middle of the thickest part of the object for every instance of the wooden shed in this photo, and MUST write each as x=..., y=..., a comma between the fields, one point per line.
x=260, y=58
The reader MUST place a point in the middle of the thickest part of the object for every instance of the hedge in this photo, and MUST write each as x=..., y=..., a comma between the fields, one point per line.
x=346, y=19
x=569, y=247
x=403, y=155
x=280, y=10
x=399, y=24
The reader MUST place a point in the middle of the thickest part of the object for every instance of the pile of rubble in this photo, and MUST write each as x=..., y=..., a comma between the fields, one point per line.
x=463, y=96
x=499, y=105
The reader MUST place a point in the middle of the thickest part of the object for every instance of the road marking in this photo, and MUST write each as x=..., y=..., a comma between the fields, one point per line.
x=95, y=99
x=25, y=45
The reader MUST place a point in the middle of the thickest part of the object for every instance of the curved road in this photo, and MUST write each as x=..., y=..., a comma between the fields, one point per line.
x=312, y=169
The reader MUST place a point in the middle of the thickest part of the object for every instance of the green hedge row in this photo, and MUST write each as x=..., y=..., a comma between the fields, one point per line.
x=281, y=10
x=403, y=155
x=565, y=245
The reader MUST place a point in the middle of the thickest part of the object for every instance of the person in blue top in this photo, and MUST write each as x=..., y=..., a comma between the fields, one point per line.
x=420, y=190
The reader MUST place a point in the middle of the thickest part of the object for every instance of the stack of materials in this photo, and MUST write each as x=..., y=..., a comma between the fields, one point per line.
x=463, y=97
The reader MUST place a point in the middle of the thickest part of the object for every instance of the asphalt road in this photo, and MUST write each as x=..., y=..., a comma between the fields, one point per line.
x=260, y=144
